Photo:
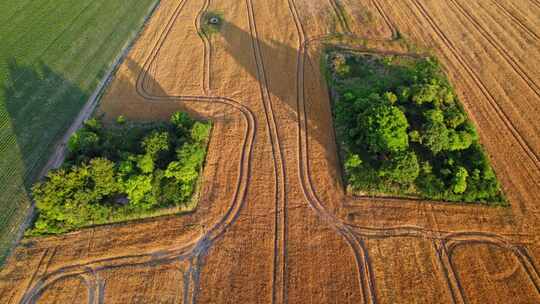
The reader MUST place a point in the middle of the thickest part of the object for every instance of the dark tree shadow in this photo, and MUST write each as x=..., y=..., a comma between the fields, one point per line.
x=37, y=105
x=274, y=52
x=150, y=84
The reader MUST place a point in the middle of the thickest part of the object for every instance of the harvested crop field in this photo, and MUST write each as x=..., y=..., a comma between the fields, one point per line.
x=274, y=223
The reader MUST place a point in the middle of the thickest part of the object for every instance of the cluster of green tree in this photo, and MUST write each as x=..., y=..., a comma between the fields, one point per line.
x=114, y=173
x=402, y=130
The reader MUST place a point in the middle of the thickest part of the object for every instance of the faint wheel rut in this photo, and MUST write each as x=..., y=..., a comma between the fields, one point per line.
x=493, y=102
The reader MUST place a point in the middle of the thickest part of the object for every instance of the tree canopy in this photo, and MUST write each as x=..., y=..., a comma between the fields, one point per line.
x=402, y=130
x=122, y=171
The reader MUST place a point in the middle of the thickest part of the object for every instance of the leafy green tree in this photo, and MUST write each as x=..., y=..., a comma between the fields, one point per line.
x=83, y=142
x=121, y=119
x=459, y=182
x=155, y=143
x=385, y=128
x=146, y=163
x=459, y=140
x=435, y=137
x=414, y=136
x=138, y=189
x=390, y=97
x=352, y=162
x=434, y=116
x=93, y=124
x=181, y=120
x=200, y=132
x=424, y=93
x=402, y=168
x=454, y=117
x=103, y=175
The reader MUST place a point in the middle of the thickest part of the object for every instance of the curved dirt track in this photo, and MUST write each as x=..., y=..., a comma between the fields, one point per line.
x=273, y=224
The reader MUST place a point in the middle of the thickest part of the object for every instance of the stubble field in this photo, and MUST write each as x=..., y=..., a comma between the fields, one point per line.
x=274, y=224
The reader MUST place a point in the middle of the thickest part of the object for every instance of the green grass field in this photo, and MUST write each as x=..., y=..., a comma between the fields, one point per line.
x=52, y=56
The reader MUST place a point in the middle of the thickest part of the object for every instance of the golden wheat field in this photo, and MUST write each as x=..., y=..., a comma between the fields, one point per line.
x=274, y=223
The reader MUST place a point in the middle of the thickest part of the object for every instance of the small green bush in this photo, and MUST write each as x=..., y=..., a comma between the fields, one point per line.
x=121, y=120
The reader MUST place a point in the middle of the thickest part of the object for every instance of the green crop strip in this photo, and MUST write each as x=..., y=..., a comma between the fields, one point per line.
x=52, y=56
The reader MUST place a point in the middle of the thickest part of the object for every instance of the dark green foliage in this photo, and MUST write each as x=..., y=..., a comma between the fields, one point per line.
x=402, y=130
x=126, y=169
x=384, y=128
x=402, y=168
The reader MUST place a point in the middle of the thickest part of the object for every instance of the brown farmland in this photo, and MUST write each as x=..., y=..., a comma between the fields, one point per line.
x=274, y=224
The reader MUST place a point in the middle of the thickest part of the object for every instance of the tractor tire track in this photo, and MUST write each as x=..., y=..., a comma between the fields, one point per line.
x=280, y=245
x=194, y=248
x=516, y=67
x=206, y=78
x=452, y=241
x=340, y=15
x=536, y=3
x=387, y=20
x=491, y=99
x=516, y=20
x=303, y=165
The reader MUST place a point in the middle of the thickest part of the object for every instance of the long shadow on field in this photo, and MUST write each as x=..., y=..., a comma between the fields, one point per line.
x=280, y=57
x=37, y=105
x=151, y=85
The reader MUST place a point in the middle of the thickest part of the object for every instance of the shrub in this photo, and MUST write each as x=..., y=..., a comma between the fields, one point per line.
x=459, y=183
x=182, y=120
x=200, y=132
x=120, y=120
x=83, y=142
x=156, y=143
x=341, y=67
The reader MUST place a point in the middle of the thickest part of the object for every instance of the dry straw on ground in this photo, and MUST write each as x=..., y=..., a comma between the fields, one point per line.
x=274, y=224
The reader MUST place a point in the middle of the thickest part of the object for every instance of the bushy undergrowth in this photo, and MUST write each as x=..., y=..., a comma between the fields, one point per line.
x=123, y=171
x=402, y=130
